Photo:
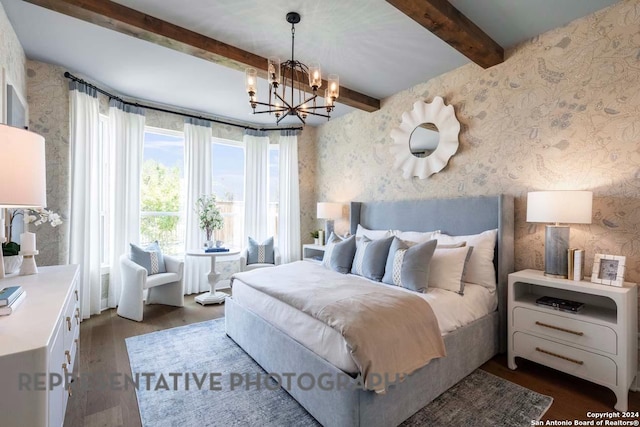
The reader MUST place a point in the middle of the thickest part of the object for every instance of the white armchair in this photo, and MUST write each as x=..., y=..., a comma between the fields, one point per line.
x=164, y=288
x=245, y=254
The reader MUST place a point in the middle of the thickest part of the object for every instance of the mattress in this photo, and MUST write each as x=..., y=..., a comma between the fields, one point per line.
x=451, y=309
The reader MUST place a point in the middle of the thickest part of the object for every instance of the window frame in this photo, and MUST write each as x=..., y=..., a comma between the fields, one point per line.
x=173, y=134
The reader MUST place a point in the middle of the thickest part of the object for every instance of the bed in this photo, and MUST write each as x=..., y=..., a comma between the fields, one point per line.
x=467, y=347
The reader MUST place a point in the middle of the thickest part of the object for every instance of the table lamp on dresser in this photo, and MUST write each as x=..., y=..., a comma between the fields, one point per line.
x=559, y=207
x=22, y=173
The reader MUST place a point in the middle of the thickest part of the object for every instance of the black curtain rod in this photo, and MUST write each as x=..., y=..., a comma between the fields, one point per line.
x=70, y=76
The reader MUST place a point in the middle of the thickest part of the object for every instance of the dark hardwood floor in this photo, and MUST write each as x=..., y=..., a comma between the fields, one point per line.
x=103, y=350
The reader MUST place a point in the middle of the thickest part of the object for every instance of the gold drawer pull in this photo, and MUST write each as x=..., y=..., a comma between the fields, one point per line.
x=76, y=293
x=69, y=390
x=568, y=359
x=77, y=315
x=64, y=368
x=557, y=328
x=68, y=354
x=69, y=323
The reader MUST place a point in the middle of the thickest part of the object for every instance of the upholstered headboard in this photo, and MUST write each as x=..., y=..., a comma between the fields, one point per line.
x=461, y=216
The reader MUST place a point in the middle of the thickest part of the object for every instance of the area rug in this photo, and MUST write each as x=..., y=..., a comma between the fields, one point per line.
x=184, y=377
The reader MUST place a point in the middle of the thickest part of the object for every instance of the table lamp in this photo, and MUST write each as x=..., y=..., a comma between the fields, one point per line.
x=22, y=175
x=328, y=212
x=567, y=207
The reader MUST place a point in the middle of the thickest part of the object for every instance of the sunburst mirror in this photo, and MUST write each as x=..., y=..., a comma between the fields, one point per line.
x=426, y=139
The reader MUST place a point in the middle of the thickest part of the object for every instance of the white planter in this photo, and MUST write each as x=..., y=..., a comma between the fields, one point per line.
x=12, y=263
x=316, y=241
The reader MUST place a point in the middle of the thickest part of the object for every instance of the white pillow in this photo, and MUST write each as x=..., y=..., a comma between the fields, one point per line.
x=416, y=236
x=371, y=234
x=480, y=269
x=447, y=268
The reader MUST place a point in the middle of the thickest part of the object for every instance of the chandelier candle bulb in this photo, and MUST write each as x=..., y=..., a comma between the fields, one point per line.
x=252, y=79
x=274, y=71
x=315, y=76
x=334, y=86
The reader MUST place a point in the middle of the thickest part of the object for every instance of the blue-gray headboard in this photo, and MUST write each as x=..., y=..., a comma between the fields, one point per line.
x=461, y=216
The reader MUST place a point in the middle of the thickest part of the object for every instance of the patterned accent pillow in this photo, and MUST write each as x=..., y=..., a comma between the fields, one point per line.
x=408, y=265
x=150, y=258
x=260, y=253
x=339, y=253
x=371, y=257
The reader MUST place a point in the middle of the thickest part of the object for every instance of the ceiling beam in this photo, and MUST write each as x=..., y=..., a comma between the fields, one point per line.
x=131, y=22
x=450, y=25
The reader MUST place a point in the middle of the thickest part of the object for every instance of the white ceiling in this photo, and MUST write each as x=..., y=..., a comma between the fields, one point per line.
x=374, y=48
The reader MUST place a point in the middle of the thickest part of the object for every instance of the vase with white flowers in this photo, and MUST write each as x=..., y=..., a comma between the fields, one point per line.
x=209, y=216
x=35, y=216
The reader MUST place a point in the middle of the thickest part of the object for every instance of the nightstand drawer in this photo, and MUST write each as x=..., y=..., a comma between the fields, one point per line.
x=573, y=331
x=580, y=363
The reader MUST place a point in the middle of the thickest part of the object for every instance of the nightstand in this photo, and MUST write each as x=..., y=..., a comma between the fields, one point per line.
x=313, y=252
x=599, y=343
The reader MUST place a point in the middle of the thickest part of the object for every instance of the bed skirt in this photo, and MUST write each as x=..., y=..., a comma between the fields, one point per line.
x=467, y=349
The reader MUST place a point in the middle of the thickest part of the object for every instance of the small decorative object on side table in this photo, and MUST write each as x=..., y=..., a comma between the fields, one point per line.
x=313, y=253
x=209, y=217
x=598, y=343
x=608, y=270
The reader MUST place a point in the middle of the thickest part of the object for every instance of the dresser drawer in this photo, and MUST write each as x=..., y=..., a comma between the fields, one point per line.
x=572, y=331
x=71, y=319
x=583, y=364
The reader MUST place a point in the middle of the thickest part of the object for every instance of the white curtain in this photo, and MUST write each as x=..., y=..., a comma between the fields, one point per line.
x=256, y=170
x=126, y=134
x=289, y=204
x=86, y=172
x=199, y=182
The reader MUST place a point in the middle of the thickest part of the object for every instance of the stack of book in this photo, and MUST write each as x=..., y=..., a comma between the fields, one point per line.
x=10, y=299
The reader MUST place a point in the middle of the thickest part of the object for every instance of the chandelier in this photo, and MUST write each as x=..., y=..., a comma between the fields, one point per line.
x=289, y=76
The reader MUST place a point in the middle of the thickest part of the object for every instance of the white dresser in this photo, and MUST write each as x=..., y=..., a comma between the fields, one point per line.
x=599, y=344
x=40, y=337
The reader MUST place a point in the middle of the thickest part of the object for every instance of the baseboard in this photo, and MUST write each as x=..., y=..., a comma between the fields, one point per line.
x=223, y=284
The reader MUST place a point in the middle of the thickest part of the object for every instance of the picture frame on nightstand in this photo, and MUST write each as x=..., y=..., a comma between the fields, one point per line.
x=608, y=270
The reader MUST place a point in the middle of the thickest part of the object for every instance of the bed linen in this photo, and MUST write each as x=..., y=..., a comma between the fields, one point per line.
x=389, y=333
x=451, y=310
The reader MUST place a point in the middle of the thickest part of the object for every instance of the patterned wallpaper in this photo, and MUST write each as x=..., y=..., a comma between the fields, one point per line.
x=48, y=99
x=12, y=57
x=561, y=112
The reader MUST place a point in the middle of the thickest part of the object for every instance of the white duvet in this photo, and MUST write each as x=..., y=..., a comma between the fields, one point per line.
x=451, y=309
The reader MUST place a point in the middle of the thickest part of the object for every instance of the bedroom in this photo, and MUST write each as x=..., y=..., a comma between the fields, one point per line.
x=521, y=131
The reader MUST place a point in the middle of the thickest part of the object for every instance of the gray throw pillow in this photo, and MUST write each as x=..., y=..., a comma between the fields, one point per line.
x=408, y=266
x=338, y=255
x=371, y=257
x=150, y=258
x=260, y=253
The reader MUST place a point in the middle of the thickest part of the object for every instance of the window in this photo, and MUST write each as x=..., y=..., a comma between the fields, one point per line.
x=228, y=186
x=103, y=141
x=161, y=190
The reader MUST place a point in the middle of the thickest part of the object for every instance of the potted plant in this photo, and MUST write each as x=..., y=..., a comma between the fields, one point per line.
x=10, y=249
x=209, y=216
x=316, y=236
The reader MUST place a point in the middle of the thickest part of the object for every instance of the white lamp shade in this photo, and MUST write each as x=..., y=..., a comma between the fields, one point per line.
x=567, y=207
x=23, y=180
x=329, y=210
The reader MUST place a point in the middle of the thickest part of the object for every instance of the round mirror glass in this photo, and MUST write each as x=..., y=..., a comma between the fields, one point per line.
x=424, y=140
